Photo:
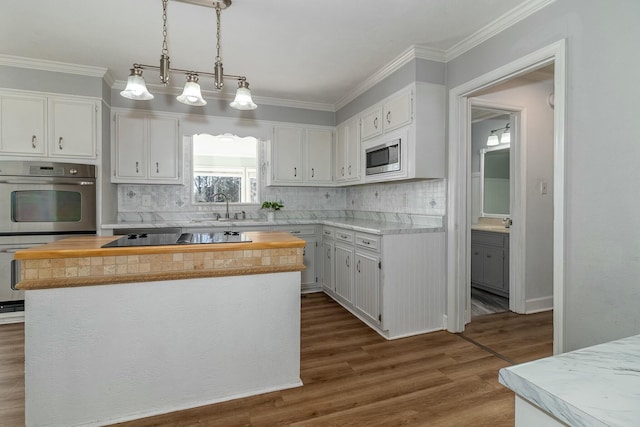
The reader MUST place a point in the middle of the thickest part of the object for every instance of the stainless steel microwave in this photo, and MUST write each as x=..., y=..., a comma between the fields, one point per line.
x=384, y=157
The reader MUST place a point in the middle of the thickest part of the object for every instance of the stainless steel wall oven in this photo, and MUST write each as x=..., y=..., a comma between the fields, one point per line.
x=40, y=202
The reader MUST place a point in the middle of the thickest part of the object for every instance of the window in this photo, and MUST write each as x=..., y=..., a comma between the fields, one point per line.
x=225, y=164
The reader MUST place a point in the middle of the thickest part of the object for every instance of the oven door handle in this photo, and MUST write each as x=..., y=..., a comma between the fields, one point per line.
x=23, y=181
x=14, y=274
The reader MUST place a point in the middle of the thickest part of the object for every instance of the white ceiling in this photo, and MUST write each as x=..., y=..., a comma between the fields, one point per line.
x=299, y=50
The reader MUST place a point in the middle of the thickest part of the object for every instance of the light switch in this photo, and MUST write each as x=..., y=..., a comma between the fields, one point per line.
x=543, y=187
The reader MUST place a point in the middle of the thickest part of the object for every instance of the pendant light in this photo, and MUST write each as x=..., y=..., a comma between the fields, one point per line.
x=492, y=140
x=505, y=138
x=191, y=95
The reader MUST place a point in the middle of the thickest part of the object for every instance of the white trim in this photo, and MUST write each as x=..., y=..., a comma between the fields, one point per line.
x=55, y=66
x=537, y=305
x=503, y=22
x=460, y=180
x=404, y=58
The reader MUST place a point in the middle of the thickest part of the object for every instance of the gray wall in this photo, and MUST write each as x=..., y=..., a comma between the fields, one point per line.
x=602, y=228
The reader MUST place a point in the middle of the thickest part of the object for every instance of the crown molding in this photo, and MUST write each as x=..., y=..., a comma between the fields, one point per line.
x=209, y=94
x=55, y=66
x=503, y=22
x=413, y=52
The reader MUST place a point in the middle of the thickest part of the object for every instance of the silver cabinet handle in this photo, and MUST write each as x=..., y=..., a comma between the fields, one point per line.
x=348, y=261
x=157, y=167
x=137, y=168
x=366, y=242
x=329, y=253
x=342, y=171
x=295, y=172
x=349, y=169
x=34, y=141
x=358, y=266
x=375, y=122
x=389, y=117
x=313, y=172
x=60, y=143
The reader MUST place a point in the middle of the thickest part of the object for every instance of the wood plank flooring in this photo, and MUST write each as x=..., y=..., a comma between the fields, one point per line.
x=353, y=377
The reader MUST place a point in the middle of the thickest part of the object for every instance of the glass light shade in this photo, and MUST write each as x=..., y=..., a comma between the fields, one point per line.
x=191, y=94
x=492, y=140
x=243, y=99
x=505, y=138
x=136, y=87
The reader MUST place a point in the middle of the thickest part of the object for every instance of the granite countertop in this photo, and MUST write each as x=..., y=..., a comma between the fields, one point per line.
x=362, y=225
x=595, y=386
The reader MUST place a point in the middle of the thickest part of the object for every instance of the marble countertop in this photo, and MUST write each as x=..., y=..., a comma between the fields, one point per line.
x=362, y=225
x=595, y=386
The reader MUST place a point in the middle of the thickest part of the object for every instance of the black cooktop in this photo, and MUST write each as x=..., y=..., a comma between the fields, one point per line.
x=168, y=239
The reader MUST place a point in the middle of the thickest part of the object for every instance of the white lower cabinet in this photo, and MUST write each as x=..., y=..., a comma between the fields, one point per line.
x=395, y=283
x=344, y=259
x=310, y=281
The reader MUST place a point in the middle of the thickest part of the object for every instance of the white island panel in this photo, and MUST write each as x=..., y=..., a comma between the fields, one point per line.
x=102, y=354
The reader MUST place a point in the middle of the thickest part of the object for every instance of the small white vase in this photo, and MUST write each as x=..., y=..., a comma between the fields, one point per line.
x=271, y=216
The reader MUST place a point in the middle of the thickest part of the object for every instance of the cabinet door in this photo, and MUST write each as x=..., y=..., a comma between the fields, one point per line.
x=72, y=128
x=319, y=156
x=328, y=265
x=130, y=152
x=344, y=271
x=371, y=124
x=22, y=124
x=477, y=264
x=342, y=134
x=367, y=285
x=163, y=148
x=309, y=260
x=353, y=151
x=287, y=155
x=494, y=267
x=397, y=112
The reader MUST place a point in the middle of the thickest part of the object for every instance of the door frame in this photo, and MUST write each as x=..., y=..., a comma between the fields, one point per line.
x=518, y=202
x=459, y=183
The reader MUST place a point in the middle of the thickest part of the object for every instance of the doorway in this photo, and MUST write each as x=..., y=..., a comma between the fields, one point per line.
x=459, y=206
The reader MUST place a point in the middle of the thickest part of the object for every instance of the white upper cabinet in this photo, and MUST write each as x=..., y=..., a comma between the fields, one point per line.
x=146, y=149
x=72, y=128
x=53, y=126
x=22, y=124
x=319, y=154
x=300, y=156
x=396, y=112
x=286, y=155
x=371, y=122
x=348, y=151
x=391, y=114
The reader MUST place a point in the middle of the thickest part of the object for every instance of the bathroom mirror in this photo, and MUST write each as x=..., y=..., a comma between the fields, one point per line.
x=494, y=183
x=225, y=164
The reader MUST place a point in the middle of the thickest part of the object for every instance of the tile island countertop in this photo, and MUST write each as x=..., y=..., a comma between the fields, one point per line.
x=82, y=261
x=594, y=386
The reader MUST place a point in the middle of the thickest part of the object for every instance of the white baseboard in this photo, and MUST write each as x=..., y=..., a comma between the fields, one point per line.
x=536, y=305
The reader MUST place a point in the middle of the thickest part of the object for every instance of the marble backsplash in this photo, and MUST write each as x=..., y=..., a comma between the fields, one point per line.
x=406, y=202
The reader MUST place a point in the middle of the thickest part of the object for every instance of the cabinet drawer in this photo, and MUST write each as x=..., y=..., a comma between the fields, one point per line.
x=344, y=235
x=368, y=241
x=487, y=238
x=328, y=232
x=299, y=230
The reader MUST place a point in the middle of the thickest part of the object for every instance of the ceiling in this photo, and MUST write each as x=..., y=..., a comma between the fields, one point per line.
x=295, y=50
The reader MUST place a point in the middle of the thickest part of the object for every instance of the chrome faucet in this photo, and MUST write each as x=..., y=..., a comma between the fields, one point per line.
x=226, y=199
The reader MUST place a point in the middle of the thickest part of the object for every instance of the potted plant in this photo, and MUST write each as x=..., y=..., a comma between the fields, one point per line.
x=272, y=207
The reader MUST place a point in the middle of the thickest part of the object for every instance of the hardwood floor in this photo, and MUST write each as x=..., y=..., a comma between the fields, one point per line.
x=353, y=377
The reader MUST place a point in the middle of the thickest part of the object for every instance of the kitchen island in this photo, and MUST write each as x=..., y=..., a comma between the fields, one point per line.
x=114, y=334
